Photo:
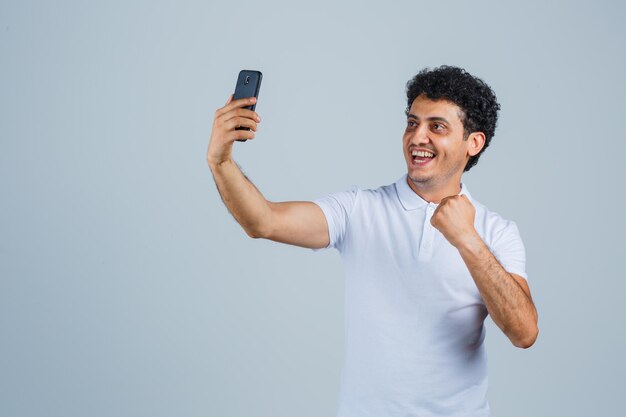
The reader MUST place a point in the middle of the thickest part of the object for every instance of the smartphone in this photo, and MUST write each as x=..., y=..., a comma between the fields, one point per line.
x=248, y=85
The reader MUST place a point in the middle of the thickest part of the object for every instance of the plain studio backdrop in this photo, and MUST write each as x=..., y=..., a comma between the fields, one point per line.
x=127, y=289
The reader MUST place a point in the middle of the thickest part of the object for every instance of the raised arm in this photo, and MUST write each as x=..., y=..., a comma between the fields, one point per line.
x=300, y=223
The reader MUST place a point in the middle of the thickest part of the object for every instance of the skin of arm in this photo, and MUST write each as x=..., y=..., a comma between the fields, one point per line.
x=243, y=200
x=300, y=223
x=506, y=296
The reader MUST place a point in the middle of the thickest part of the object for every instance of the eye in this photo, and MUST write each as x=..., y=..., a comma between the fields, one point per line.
x=411, y=123
x=438, y=126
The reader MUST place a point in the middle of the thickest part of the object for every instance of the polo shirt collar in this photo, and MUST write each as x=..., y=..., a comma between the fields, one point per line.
x=410, y=200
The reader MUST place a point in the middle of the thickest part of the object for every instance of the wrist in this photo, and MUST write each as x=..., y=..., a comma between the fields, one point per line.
x=472, y=243
x=215, y=163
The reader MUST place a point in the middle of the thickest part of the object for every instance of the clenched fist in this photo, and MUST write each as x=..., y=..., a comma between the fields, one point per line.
x=454, y=218
x=224, y=132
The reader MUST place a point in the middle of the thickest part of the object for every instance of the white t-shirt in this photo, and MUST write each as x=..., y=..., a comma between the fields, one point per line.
x=413, y=314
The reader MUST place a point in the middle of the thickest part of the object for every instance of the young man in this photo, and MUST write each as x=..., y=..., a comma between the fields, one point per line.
x=424, y=261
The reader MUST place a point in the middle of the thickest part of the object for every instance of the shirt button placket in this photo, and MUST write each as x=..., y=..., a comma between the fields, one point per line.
x=428, y=229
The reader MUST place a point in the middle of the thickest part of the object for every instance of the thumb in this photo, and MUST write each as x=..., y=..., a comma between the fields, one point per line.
x=230, y=98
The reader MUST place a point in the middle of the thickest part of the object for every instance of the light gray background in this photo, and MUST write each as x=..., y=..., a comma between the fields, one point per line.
x=126, y=287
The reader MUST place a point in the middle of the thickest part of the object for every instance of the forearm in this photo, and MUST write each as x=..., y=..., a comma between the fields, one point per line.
x=508, y=305
x=243, y=200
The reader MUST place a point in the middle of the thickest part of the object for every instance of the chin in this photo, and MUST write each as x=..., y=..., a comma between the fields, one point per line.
x=418, y=178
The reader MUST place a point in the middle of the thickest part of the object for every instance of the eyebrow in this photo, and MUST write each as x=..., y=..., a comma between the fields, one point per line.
x=433, y=118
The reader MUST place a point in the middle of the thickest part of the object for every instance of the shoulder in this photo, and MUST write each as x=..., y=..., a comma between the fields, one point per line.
x=353, y=194
x=492, y=225
x=381, y=193
x=376, y=203
x=503, y=238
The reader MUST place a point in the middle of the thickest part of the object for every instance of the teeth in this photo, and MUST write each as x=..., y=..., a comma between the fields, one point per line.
x=422, y=154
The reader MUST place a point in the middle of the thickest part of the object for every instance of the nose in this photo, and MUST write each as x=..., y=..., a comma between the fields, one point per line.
x=420, y=135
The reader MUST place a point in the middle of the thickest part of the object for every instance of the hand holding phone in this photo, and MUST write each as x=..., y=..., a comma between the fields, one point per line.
x=248, y=85
x=234, y=121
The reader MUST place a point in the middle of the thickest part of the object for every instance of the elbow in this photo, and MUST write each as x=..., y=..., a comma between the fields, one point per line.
x=260, y=229
x=257, y=232
x=527, y=336
x=254, y=234
x=527, y=340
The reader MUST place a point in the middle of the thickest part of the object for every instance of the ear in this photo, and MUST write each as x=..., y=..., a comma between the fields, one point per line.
x=475, y=142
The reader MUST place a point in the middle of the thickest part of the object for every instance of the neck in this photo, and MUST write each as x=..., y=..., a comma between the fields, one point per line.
x=435, y=194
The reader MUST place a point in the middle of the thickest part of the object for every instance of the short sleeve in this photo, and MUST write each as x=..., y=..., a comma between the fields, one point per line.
x=337, y=208
x=509, y=250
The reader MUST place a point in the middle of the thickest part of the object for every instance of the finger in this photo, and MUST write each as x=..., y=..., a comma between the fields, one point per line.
x=241, y=134
x=231, y=124
x=241, y=113
x=220, y=111
x=233, y=104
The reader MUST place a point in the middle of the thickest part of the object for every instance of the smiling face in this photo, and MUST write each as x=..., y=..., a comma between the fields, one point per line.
x=434, y=131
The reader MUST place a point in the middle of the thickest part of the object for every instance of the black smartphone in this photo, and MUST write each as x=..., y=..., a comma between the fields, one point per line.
x=248, y=85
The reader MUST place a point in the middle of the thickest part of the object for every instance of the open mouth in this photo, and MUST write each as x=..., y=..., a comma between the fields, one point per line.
x=421, y=158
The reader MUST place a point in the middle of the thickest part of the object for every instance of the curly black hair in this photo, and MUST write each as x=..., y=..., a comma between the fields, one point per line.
x=473, y=96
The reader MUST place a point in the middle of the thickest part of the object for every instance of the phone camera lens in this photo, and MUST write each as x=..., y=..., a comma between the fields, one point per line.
x=247, y=79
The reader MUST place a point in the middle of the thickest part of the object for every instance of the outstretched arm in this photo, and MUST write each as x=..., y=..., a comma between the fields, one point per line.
x=241, y=197
x=300, y=223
